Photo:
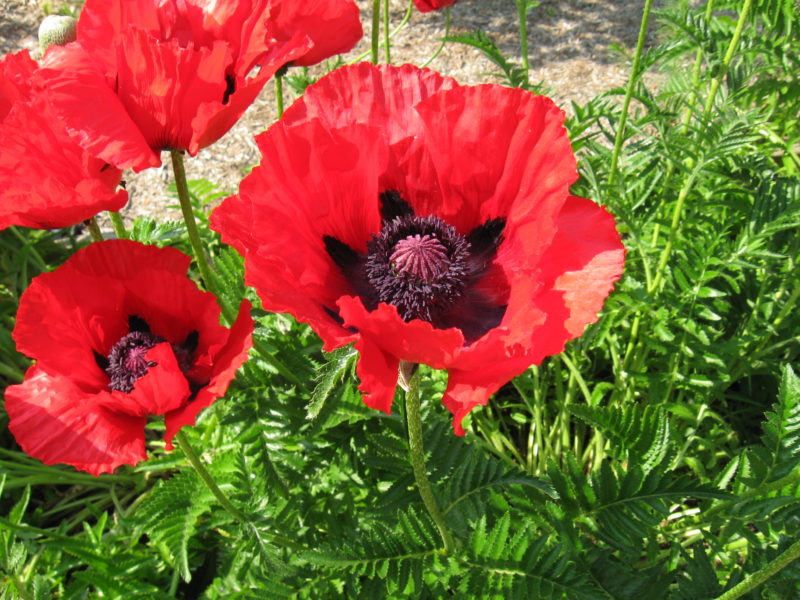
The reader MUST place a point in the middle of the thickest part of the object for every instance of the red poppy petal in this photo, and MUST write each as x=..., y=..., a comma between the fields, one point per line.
x=380, y=95
x=414, y=341
x=46, y=179
x=16, y=74
x=76, y=87
x=581, y=265
x=312, y=182
x=163, y=86
x=162, y=389
x=57, y=422
x=425, y=6
x=334, y=26
x=80, y=308
x=528, y=170
x=226, y=362
x=213, y=120
x=101, y=21
x=577, y=272
x=378, y=372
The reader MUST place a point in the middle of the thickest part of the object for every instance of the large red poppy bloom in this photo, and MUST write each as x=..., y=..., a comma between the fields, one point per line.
x=177, y=74
x=119, y=333
x=46, y=179
x=426, y=222
x=431, y=5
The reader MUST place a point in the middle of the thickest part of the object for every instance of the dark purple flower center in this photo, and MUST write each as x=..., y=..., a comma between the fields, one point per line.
x=417, y=264
x=424, y=267
x=422, y=257
x=127, y=362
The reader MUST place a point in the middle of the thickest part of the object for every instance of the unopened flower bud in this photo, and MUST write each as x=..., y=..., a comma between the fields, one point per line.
x=57, y=30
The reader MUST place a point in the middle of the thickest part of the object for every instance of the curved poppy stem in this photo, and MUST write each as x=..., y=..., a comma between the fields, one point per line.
x=279, y=95
x=94, y=229
x=410, y=384
x=386, y=33
x=753, y=580
x=447, y=23
x=191, y=224
x=200, y=469
x=522, y=15
x=118, y=224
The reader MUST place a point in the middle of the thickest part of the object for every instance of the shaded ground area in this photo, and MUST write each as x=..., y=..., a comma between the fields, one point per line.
x=570, y=51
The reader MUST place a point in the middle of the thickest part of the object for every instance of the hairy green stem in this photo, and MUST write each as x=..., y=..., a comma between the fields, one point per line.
x=395, y=31
x=118, y=225
x=387, y=46
x=522, y=14
x=94, y=229
x=753, y=580
x=191, y=224
x=200, y=469
x=447, y=23
x=279, y=95
x=634, y=78
x=376, y=30
x=417, y=453
x=726, y=61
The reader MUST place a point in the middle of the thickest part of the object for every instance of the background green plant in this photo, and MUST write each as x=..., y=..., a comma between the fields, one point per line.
x=657, y=457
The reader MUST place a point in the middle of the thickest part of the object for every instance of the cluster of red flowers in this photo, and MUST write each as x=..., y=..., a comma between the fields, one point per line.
x=423, y=221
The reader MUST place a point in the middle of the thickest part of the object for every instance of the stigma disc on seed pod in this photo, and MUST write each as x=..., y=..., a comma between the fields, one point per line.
x=57, y=30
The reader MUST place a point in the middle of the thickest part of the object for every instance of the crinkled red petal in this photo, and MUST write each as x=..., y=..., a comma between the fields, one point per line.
x=162, y=389
x=312, y=182
x=528, y=170
x=162, y=86
x=46, y=179
x=548, y=306
x=76, y=88
x=57, y=422
x=431, y=5
x=377, y=371
x=333, y=26
x=83, y=306
x=415, y=341
x=381, y=96
x=16, y=74
x=226, y=360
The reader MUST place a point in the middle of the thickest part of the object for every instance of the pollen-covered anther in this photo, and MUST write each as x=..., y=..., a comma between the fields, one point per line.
x=421, y=256
x=127, y=360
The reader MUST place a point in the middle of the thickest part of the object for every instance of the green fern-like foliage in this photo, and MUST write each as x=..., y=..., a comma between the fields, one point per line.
x=170, y=517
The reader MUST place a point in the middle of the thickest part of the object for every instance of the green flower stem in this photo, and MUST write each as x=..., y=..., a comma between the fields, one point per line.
x=417, y=453
x=200, y=469
x=119, y=226
x=394, y=32
x=726, y=61
x=634, y=78
x=687, y=113
x=376, y=30
x=279, y=95
x=684, y=192
x=188, y=217
x=447, y=22
x=753, y=580
x=522, y=14
x=386, y=33
x=94, y=229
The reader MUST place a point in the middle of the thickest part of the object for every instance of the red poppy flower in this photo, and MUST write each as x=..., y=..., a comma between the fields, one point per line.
x=431, y=5
x=119, y=333
x=177, y=74
x=426, y=222
x=46, y=179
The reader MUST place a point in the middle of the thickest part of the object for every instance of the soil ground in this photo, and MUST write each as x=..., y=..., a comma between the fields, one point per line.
x=575, y=49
